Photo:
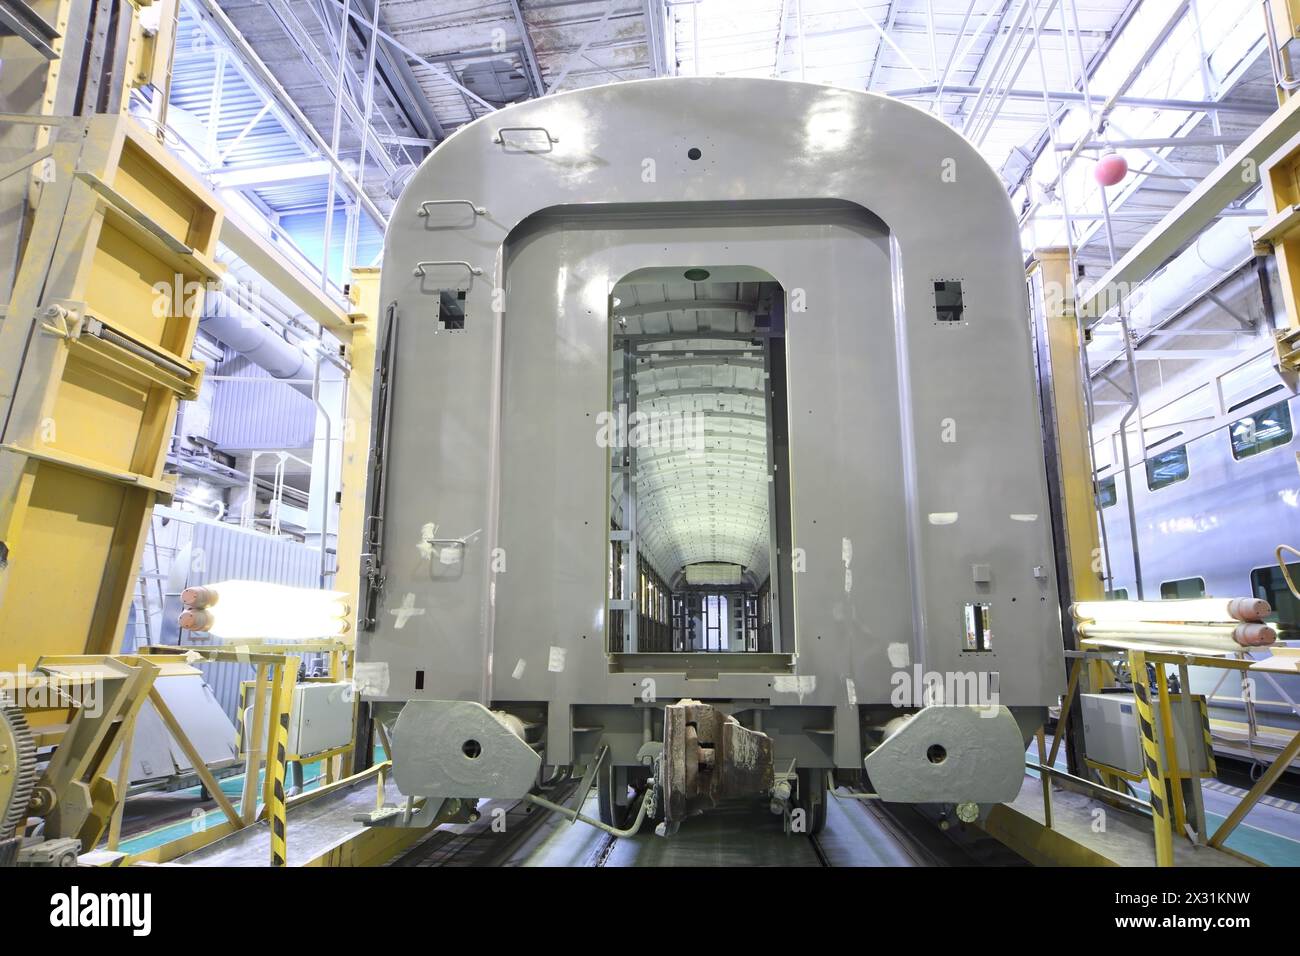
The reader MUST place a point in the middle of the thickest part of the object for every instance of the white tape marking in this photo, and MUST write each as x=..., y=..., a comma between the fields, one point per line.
x=370, y=678
x=801, y=684
x=407, y=611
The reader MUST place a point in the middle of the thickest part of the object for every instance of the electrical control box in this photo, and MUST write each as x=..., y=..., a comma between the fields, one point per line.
x=321, y=718
x=1112, y=736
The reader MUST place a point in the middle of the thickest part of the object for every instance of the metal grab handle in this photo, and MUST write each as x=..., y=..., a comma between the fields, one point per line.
x=420, y=266
x=500, y=133
x=424, y=206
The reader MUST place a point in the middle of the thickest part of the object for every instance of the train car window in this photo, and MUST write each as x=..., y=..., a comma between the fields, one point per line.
x=1182, y=588
x=1118, y=594
x=1268, y=583
x=1106, y=494
x=1167, y=468
x=1267, y=428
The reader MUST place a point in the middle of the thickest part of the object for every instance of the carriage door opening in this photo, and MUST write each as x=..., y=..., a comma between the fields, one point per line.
x=698, y=464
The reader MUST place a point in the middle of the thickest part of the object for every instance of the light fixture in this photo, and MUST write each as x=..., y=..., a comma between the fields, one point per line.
x=243, y=610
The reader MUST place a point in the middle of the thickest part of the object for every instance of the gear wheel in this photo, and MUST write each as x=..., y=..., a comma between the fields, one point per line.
x=24, y=770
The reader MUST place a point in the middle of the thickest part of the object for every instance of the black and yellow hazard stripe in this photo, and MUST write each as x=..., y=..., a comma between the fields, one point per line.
x=1152, y=760
x=1173, y=768
x=282, y=706
x=279, y=853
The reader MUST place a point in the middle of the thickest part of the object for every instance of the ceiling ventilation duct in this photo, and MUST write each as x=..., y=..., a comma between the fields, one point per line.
x=239, y=329
x=1219, y=251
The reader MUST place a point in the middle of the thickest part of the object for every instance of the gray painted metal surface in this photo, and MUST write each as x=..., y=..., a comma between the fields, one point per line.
x=856, y=205
x=155, y=755
x=951, y=755
x=458, y=748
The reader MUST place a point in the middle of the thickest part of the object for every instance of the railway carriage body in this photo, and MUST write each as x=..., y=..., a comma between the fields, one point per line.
x=808, y=306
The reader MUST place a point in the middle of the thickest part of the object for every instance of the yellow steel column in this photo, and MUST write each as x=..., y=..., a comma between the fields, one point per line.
x=254, y=745
x=1280, y=233
x=1073, y=436
x=94, y=349
x=364, y=294
x=1169, y=739
x=1282, y=20
x=94, y=357
x=1064, y=343
x=275, y=803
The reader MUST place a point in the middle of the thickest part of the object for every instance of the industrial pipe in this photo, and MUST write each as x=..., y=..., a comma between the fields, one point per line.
x=239, y=329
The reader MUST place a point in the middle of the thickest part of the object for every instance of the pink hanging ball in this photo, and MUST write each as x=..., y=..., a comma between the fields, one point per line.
x=1110, y=169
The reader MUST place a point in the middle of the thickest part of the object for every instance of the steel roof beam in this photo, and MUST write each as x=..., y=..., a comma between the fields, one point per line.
x=467, y=56
x=403, y=86
x=17, y=18
x=299, y=35
x=271, y=174
x=1072, y=96
x=1202, y=205
x=572, y=59
x=271, y=86
x=530, y=52
x=447, y=77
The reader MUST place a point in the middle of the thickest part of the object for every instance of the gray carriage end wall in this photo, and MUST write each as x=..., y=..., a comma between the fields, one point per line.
x=916, y=464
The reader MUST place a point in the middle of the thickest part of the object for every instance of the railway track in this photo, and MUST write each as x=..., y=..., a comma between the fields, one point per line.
x=858, y=833
x=800, y=848
x=492, y=841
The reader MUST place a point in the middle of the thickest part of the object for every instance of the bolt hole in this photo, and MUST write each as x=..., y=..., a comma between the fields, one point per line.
x=471, y=749
x=936, y=754
x=693, y=153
